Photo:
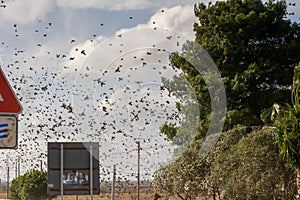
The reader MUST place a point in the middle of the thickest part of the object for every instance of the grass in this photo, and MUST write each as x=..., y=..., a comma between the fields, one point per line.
x=102, y=196
x=106, y=196
x=122, y=192
x=2, y=194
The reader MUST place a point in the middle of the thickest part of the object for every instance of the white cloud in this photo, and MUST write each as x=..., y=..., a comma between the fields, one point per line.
x=179, y=19
x=129, y=59
x=78, y=55
x=23, y=11
x=129, y=49
x=121, y=4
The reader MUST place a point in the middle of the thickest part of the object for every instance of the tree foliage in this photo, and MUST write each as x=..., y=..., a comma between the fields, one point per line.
x=286, y=121
x=250, y=42
x=243, y=165
x=249, y=168
x=184, y=178
x=30, y=186
x=254, y=47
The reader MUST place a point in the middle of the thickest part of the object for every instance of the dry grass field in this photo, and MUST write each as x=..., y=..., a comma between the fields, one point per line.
x=105, y=196
x=129, y=194
x=2, y=195
x=123, y=191
x=147, y=194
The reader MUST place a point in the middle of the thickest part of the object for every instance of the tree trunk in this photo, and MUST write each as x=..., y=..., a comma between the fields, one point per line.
x=298, y=184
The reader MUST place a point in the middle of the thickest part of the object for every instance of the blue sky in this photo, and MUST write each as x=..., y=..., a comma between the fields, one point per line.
x=45, y=46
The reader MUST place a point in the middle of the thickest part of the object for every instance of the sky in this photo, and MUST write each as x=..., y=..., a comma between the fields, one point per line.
x=91, y=71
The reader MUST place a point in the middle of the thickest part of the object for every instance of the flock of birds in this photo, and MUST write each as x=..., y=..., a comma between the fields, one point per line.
x=115, y=104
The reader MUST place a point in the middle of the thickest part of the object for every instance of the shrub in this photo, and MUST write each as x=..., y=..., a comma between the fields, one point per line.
x=30, y=186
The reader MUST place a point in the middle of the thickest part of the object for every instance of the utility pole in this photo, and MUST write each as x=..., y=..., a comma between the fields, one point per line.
x=113, y=184
x=61, y=171
x=7, y=184
x=7, y=178
x=16, y=169
x=138, y=175
x=19, y=168
x=91, y=173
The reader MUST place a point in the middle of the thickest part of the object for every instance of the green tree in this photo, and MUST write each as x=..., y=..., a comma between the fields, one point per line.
x=184, y=178
x=255, y=48
x=250, y=42
x=30, y=186
x=218, y=169
x=245, y=165
x=286, y=121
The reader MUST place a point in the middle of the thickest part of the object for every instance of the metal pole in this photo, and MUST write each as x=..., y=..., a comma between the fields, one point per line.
x=91, y=172
x=61, y=171
x=19, y=168
x=113, y=184
x=16, y=169
x=7, y=184
x=138, y=175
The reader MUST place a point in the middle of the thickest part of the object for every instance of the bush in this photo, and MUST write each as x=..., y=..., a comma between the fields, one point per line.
x=30, y=186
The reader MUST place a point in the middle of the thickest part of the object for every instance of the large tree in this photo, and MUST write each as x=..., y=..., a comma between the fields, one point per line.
x=255, y=47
